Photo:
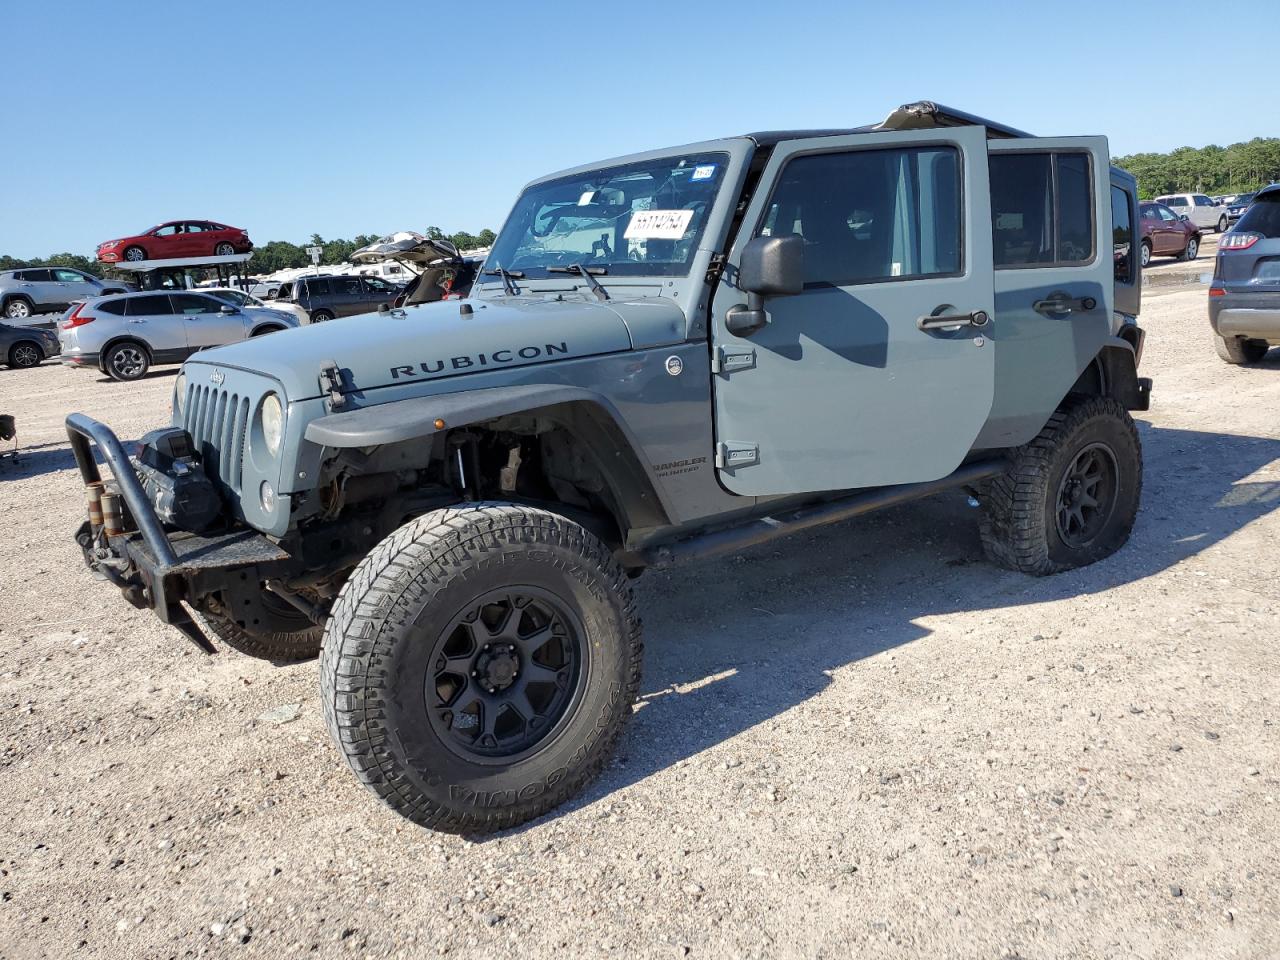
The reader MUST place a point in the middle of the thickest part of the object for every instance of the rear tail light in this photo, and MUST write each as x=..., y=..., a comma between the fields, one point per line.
x=1217, y=292
x=1238, y=241
x=77, y=318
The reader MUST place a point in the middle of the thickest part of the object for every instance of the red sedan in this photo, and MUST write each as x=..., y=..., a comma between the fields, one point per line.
x=178, y=238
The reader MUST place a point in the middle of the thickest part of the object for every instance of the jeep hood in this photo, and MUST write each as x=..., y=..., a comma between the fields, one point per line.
x=432, y=341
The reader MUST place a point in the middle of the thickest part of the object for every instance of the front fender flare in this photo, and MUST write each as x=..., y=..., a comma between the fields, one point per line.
x=588, y=415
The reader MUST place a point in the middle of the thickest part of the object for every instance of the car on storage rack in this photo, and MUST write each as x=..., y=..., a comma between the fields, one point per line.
x=1244, y=294
x=674, y=354
x=28, y=291
x=177, y=239
x=124, y=336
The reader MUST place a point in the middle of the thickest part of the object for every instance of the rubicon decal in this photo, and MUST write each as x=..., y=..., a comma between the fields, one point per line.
x=475, y=361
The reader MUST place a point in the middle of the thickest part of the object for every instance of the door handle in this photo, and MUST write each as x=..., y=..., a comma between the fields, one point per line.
x=1061, y=303
x=978, y=318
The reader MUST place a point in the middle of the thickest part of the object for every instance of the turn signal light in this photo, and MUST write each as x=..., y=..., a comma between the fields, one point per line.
x=77, y=319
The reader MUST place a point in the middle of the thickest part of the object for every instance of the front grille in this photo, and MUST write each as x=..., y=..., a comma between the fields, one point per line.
x=217, y=421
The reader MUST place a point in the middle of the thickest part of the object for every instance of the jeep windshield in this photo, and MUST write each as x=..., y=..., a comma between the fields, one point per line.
x=641, y=219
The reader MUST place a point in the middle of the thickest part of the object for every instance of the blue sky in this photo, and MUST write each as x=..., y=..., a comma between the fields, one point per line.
x=290, y=118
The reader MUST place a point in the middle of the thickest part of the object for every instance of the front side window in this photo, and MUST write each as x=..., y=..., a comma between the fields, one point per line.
x=1041, y=209
x=348, y=286
x=1203, y=201
x=190, y=303
x=1166, y=213
x=233, y=297
x=167, y=231
x=69, y=276
x=871, y=215
x=641, y=219
x=376, y=285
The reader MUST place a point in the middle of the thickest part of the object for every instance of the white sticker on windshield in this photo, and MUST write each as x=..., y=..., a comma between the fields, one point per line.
x=658, y=224
x=704, y=172
x=586, y=198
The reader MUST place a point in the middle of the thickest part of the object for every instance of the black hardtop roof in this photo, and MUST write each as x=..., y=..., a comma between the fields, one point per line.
x=921, y=115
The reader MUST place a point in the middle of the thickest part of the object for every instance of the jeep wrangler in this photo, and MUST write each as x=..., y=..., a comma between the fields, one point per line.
x=669, y=355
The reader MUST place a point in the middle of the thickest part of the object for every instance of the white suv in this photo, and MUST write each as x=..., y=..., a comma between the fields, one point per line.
x=1199, y=209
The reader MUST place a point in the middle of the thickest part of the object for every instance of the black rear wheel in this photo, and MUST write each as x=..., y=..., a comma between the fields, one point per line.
x=24, y=354
x=480, y=664
x=1238, y=350
x=1071, y=495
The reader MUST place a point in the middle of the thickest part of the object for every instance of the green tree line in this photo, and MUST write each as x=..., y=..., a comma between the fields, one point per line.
x=1239, y=168
x=269, y=257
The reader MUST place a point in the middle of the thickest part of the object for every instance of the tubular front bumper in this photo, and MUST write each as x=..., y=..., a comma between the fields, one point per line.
x=152, y=567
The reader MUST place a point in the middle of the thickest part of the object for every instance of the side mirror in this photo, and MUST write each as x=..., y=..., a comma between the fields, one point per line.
x=771, y=267
x=1183, y=216
x=228, y=309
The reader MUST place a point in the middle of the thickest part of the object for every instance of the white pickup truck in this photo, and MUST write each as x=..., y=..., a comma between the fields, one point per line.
x=1199, y=209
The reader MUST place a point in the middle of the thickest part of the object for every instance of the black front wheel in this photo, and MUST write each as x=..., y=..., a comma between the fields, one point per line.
x=24, y=354
x=1237, y=350
x=480, y=664
x=1071, y=495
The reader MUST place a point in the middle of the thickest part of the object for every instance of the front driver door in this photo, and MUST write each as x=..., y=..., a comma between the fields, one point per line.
x=205, y=323
x=842, y=388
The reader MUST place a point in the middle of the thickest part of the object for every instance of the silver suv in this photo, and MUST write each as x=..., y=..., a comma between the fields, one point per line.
x=124, y=335
x=28, y=291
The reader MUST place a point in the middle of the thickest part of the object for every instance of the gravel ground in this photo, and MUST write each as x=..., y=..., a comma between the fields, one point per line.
x=864, y=742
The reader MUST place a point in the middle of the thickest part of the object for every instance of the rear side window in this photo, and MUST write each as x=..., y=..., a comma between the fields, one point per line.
x=156, y=305
x=1175, y=201
x=1041, y=209
x=35, y=276
x=349, y=286
x=1121, y=235
x=871, y=215
x=1263, y=216
x=115, y=307
x=317, y=288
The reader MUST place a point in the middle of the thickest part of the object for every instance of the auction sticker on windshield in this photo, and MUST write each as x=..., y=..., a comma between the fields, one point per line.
x=658, y=224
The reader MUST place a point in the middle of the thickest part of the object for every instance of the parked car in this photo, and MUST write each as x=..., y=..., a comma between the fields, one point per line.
x=1238, y=205
x=1165, y=234
x=28, y=291
x=177, y=238
x=328, y=296
x=1244, y=295
x=123, y=336
x=238, y=298
x=22, y=347
x=1199, y=209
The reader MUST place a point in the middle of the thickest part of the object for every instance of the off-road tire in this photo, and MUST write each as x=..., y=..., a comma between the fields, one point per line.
x=1144, y=253
x=25, y=354
x=1238, y=350
x=277, y=647
x=137, y=367
x=378, y=657
x=1019, y=526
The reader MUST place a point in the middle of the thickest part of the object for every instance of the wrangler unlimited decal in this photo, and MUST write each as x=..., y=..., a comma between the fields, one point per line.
x=497, y=358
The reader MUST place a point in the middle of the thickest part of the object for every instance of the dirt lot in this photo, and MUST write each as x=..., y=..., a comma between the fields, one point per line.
x=864, y=742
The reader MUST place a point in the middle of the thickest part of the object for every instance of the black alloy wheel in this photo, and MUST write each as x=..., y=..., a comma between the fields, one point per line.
x=1086, y=496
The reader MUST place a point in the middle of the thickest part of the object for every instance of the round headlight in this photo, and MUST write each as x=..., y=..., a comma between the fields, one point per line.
x=272, y=422
x=180, y=394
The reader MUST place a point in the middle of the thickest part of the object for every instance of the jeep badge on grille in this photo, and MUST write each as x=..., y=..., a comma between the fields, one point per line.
x=217, y=378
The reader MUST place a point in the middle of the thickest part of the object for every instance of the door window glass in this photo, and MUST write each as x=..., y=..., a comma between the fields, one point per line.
x=35, y=276
x=377, y=286
x=1121, y=235
x=1041, y=209
x=871, y=215
x=195, y=228
x=190, y=303
x=156, y=305
x=348, y=286
x=115, y=307
x=1166, y=213
x=317, y=288
x=1175, y=201
x=167, y=231
x=69, y=276
x=1203, y=201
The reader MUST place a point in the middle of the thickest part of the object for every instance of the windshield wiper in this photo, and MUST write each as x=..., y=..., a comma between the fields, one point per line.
x=586, y=273
x=508, y=283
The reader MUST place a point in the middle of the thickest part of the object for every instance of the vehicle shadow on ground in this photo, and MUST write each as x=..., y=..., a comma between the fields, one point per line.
x=41, y=458
x=149, y=375
x=732, y=643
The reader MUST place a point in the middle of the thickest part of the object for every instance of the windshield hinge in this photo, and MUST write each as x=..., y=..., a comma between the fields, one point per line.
x=331, y=384
x=727, y=361
x=730, y=455
x=716, y=268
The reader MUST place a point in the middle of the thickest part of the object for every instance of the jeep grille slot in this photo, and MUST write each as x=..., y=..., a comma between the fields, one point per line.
x=217, y=421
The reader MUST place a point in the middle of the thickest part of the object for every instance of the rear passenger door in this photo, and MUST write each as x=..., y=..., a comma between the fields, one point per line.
x=150, y=318
x=1054, y=275
x=348, y=296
